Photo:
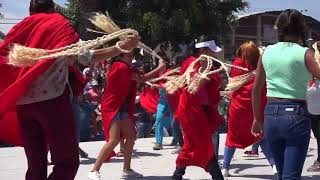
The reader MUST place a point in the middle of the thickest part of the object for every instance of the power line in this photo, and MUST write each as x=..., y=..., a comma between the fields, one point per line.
x=7, y=23
x=11, y=19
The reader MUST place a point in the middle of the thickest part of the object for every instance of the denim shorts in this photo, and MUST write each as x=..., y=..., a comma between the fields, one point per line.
x=120, y=116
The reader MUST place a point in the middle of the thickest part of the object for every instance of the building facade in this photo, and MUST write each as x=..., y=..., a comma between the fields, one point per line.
x=259, y=27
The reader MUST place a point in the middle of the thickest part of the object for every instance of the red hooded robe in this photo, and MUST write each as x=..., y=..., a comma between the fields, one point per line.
x=34, y=31
x=197, y=124
x=240, y=111
x=120, y=87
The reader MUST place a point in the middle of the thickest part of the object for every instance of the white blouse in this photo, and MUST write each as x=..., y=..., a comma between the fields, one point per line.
x=52, y=83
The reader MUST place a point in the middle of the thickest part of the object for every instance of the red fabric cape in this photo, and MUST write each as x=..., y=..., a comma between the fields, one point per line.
x=47, y=31
x=149, y=99
x=198, y=125
x=119, y=87
x=240, y=111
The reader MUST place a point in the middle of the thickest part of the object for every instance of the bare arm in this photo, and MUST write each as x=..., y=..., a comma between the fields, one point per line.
x=312, y=66
x=154, y=86
x=105, y=53
x=146, y=77
x=256, y=98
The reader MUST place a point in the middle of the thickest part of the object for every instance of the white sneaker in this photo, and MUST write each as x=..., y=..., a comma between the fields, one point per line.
x=225, y=172
x=94, y=175
x=274, y=168
x=176, y=151
x=131, y=174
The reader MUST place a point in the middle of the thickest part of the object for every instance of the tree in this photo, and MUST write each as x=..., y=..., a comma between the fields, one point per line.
x=70, y=11
x=76, y=11
x=161, y=20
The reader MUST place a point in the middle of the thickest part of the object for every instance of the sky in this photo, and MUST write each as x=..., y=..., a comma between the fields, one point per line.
x=15, y=10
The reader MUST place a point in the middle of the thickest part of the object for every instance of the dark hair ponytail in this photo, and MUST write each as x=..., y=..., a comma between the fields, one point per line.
x=291, y=23
x=41, y=6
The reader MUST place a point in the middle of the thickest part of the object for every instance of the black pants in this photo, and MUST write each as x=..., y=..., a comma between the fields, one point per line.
x=315, y=126
x=213, y=169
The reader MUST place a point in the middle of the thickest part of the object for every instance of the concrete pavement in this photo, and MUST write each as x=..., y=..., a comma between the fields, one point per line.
x=154, y=165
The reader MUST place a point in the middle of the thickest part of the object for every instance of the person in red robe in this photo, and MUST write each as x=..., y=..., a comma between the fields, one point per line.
x=199, y=118
x=35, y=108
x=149, y=99
x=240, y=111
x=117, y=110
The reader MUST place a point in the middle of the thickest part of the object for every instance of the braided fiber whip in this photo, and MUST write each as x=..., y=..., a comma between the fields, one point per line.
x=25, y=56
x=193, y=83
x=316, y=53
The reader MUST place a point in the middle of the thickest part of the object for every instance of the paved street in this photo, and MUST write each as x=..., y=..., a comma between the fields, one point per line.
x=155, y=165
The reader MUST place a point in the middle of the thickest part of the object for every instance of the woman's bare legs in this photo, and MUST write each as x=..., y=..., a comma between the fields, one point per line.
x=114, y=137
x=121, y=152
x=127, y=129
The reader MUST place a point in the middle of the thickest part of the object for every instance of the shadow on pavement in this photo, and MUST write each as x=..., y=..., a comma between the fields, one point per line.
x=88, y=161
x=93, y=160
x=162, y=178
x=269, y=177
x=241, y=167
x=137, y=154
x=311, y=177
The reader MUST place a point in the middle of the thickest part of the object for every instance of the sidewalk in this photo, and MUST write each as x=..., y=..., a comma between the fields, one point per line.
x=154, y=165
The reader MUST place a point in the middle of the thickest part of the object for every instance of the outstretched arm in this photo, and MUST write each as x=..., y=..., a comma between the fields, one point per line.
x=94, y=56
x=146, y=77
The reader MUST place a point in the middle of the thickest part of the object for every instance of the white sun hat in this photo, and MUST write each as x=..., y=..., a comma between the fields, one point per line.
x=209, y=44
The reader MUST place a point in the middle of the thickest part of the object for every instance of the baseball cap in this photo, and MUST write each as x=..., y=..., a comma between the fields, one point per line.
x=209, y=44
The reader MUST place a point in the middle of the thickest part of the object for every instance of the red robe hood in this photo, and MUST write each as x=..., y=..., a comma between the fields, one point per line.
x=46, y=31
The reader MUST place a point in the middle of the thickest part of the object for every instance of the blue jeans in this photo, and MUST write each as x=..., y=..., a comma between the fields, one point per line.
x=144, y=129
x=82, y=118
x=76, y=113
x=229, y=153
x=120, y=116
x=162, y=109
x=287, y=129
x=177, y=132
x=255, y=147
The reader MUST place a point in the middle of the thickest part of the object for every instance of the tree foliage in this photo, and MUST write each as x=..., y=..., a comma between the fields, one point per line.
x=159, y=20
x=173, y=20
x=71, y=11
